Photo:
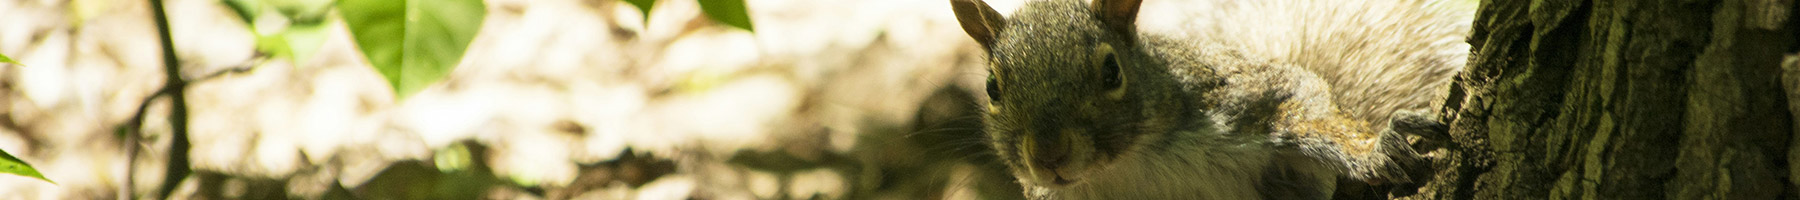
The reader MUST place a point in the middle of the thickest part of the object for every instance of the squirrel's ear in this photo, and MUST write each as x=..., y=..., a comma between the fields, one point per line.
x=1118, y=15
x=981, y=21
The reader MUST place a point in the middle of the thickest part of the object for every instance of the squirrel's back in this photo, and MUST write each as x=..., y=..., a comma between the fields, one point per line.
x=1379, y=56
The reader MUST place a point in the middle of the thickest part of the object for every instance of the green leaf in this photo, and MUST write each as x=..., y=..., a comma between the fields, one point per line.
x=4, y=59
x=303, y=40
x=274, y=44
x=413, y=43
x=293, y=29
x=643, y=7
x=302, y=11
x=730, y=12
x=246, y=10
x=12, y=165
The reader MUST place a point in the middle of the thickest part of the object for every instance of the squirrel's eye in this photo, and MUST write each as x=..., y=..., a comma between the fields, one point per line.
x=993, y=88
x=1109, y=73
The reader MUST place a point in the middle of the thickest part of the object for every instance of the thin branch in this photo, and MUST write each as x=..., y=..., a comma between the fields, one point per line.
x=175, y=87
x=131, y=150
x=132, y=127
x=177, y=90
x=131, y=142
x=242, y=68
x=137, y=118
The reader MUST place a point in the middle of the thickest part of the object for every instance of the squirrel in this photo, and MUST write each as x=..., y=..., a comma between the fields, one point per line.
x=1082, y=105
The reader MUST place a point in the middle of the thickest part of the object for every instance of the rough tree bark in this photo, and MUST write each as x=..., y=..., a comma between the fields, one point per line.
x=1625, y=99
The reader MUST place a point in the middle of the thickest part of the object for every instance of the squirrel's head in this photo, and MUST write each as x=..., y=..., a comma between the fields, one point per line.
x=1067, y=86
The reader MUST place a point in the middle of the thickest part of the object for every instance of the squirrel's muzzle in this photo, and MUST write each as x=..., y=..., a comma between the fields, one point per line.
x=1052, y=158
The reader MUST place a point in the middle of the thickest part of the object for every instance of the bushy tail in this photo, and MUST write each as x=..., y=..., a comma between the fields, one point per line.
x=1379, y=56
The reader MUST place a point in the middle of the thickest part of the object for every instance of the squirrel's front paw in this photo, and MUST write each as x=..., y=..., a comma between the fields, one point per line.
x=1419, y=123
x=1416, y=168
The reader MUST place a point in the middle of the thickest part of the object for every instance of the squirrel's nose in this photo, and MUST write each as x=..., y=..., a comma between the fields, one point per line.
x=1052, y=164
x=1049, y=162
x=1050, y=155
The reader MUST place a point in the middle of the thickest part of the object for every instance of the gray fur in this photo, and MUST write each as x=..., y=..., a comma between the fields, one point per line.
x=1208, y=116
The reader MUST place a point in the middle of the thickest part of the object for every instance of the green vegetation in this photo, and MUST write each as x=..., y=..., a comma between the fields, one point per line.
x=413, y=43
x=4, y=59
x=729, y=12
x=12, y=165
x=286, y=28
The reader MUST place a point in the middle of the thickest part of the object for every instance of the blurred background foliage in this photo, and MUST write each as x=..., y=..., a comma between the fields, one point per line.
x=497, y=99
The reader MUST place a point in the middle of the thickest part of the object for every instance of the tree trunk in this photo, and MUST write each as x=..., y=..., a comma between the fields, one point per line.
x=1624, y=99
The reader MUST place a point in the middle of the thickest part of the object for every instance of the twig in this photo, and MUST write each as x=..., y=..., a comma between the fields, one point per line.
x=132, y=126
x=176, y=88
x=131, y=143
x=246, y=67
x=131, y=150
